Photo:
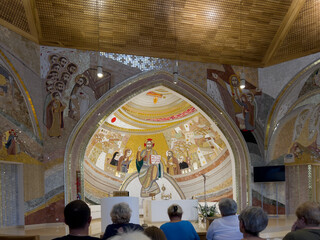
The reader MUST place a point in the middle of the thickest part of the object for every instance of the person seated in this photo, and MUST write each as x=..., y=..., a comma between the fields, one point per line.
x=120, y=216
x=226, y=227
x=307, y=225
x=155, y=233
x=77, y=216
x=137, y=235
x=252, y=221
x=177, y=229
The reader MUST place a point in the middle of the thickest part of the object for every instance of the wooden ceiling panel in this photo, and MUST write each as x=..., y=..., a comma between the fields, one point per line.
x=13, y=12
x=304, y=35
x=243, y=32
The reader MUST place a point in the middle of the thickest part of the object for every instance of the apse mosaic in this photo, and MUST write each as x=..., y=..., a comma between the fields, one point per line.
x=158, y=122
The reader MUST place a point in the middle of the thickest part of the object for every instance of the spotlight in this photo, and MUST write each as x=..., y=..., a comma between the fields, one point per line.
x=175, y=72
x=99, y=72
x=175, y=78
x=242, y=80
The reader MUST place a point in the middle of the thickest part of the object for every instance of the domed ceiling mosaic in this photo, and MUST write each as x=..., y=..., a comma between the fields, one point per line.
x=186, y=139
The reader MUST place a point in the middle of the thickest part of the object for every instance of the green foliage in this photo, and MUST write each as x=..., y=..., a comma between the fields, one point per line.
x=207, y=211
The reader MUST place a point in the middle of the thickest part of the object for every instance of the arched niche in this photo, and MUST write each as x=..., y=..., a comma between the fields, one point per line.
x=80, y=136
x=285, y=100
x=292, y=137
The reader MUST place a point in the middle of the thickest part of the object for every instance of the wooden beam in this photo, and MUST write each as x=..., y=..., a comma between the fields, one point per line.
x=17, y=30
x=30, y=19
x=283, y=30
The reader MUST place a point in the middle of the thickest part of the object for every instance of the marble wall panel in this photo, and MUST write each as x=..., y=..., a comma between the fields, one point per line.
x=33, y=178
x=54, y=177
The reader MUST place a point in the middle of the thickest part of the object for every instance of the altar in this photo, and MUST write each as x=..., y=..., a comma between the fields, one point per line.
x=156, y=210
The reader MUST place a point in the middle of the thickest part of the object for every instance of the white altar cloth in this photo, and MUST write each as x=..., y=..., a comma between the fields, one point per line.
x=156, y=210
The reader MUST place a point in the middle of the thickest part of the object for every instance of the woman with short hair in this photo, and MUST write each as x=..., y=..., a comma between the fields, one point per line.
x=252, y=221
x=120, y=216
x=131, y=236
x=226, y=227
x=307, y=225
x=177, y=229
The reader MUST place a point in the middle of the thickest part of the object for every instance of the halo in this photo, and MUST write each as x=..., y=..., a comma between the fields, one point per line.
x=82, y=76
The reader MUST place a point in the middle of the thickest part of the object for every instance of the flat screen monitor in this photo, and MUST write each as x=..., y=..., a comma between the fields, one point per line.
x=269, y=174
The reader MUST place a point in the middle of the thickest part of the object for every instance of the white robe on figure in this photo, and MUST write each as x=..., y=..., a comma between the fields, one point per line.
x=82, y=97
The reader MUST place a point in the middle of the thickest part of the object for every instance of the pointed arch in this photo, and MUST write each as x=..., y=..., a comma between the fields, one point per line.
x=24, y=91
x=81, y=134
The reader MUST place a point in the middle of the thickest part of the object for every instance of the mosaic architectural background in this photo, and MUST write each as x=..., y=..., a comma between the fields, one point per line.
x=45, y=92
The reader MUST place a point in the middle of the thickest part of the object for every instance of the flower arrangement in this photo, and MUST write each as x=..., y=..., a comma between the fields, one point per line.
x=207, y=211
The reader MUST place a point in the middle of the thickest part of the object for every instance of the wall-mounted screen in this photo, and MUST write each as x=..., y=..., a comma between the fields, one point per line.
x=269, y=174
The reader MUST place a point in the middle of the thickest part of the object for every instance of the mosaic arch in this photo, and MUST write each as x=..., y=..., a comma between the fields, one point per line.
x=120, y=110
x=15, y=101
x=283, y=103
x=295, y=137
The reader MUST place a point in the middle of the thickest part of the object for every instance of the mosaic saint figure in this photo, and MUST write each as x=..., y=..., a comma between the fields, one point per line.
x=63, y=61
x=124, y=161
x=11, y=145
x=53, y=59
x=172, y=164
x=54, y=116
x=115, y=159
x=148, y=172
x=183, y=165
x=72, y=68
x=50, y=89
x=65, y=77
x=247, y=112
x=82, y=97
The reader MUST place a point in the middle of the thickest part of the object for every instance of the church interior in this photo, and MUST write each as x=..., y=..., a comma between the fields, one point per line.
x=215, y=90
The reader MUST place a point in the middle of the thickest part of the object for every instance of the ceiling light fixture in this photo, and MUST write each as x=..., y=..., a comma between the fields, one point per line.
x=99, y=72
x=242, y=74
x=175, y=72
x=176, y=63
x=242, y=80
x=99, y=61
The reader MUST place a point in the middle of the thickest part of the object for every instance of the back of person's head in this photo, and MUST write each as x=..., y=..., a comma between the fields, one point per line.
x=137, y=235
x=120, y=213
x=155, y=233
x=310, y=211
x=254, y=220
x=227, y=206
x=77, y=214
x=175, y=211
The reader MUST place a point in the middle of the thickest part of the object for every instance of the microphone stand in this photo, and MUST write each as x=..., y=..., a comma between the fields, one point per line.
x=205, y=194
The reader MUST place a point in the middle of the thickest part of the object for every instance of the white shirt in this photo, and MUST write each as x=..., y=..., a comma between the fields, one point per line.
x=225, y=228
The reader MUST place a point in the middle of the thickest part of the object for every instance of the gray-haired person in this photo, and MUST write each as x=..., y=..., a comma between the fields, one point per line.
x=120, y=216
x=131, y=236
x=307, y=225
x=253, y=220
x=226, y=227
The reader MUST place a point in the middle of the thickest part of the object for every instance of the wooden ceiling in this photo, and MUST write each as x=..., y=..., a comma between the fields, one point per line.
x=254, y=33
